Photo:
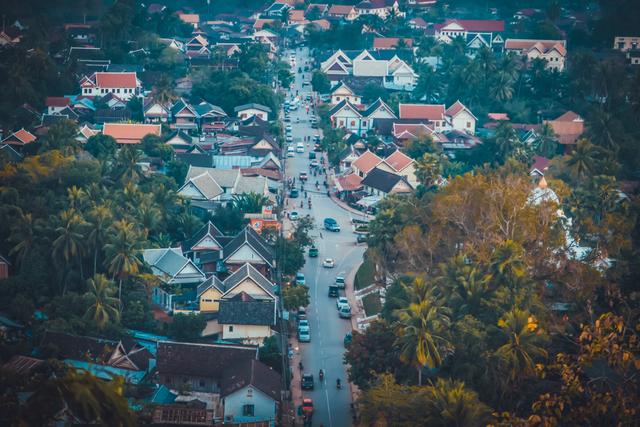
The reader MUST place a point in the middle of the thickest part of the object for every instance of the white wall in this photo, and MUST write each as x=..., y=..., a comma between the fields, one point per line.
x=264, y=406
x=460, y=122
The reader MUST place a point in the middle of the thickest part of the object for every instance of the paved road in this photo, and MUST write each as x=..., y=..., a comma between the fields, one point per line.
x=325, y=351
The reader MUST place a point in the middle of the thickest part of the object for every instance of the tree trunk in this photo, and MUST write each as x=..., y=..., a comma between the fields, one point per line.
x=95, y=260
x=420, y=376
x=120, y=292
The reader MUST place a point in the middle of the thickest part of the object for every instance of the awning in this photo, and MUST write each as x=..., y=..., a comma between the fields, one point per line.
x=369, y=201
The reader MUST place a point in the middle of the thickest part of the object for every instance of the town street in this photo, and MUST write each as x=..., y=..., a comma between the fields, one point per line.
x=325, y=351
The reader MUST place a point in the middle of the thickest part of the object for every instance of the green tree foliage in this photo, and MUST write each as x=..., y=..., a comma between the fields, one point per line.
x=102, y=147
x=295, y=296
x=270, y=353
x=187, y=327
x=320, y=82
x=104, y=307
x=250, y=202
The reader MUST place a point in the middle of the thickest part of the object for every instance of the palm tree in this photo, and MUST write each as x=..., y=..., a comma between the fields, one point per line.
x=69, y=245
x=188, y=224
x=128, y=158
x=164, y=91
x=465, y=286
x=523, y=345
x=99, y=220
x=148, y=215
x=104, y=307
x=428, y=169
x=507, y=264
x=583, y=160
x=121, y=252
x=450, y=403
x=23, y=236
x=421, y=329
x=77, y=197
x=250, y=202
x=506, y=139
x=546, y=141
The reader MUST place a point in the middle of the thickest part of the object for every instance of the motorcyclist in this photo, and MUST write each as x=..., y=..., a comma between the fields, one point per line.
x=338, y=385
x=321, y=374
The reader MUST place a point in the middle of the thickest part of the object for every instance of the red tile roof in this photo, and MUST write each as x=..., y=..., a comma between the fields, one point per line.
x=338, y=9
x=569, y=126
x=475, y=25
x=398, y=160
x=189, y=18
x=130, y=133
x=296, y=15
x=19, y=137
x=390, y=42
x=349, y=182
x=366, y=161
x=322, y=23
x=540, y=163
x=57, y=101
x=116, y=80
x=430, y=112
x=498, y=116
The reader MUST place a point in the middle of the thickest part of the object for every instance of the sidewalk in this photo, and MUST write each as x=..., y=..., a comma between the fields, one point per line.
x=295, y=387
x=357, y=311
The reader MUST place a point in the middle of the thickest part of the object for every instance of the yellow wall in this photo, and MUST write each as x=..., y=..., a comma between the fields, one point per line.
x=213, y=295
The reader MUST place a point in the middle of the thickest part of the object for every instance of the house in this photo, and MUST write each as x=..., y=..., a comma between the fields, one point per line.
x=106, y=359
x=341, y=92
x=4, y=267
x=402, y=165
x=626, y=43
x=201, y=187
x=263, y=220
x=131, y=133
x=347, y=157
x=55, y=104
x=539, y=166
x=252, y=393
x=421, y=4
x=200, y=367
x=403, y=132
x=184, y=115
x=125, y=85
x=247, y=309
x=248, y=247
x=417, y=23
x=210, y=117
x=382, y=8
x=347, y=116
x=154, y=112
x=551, y=51
x=249, y=110
x=206, y=240
x=346, y=12
x=261, y=23
x=434, y=113
x=461, y=118
x=568, y=127
x=320, y=8
x=19, y=138
x=365, y=163
x=9, y=154
x=180, y=140
x=385, y=65
x=85, y=132
x=379, y=182
x=192, y=19
x=381, y=43
x=277, y=10
x=477, y=33
x=346, y=184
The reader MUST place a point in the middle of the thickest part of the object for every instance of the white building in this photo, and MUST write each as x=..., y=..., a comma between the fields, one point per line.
x=124, y=85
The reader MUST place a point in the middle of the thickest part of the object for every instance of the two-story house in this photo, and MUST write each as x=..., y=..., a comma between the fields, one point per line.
x=248, y=247
x=125, y=85
x=346, y=115
x=341, y=91
x=381, y=8
x=551, y=51
x=477, y=33
x=400, y=164
x=249, y=110
x=346, y=12
x=456, y=117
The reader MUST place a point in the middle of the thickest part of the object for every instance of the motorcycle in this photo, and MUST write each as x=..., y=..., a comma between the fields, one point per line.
x=338, y=384
x=321, y=375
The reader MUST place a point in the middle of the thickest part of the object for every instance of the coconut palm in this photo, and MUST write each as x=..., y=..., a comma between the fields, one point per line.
x=164, y=91
x=99, y=219
x=507, y=264
x=420, y=330
x=23, y=237
x=450, y=403
x=127, y=161
x=583, y=160
x=524, y=340
x=428, y=169
x=121, y=252
x=104, y=307
x=505, y=139
x=77, y=197
x=546, y=141
x=250, y=202
x=465, y=286
x=148, y=215
x=69, y=244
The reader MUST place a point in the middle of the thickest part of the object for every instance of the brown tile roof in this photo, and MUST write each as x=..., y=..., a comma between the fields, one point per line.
x=275, y=175
x=189, y=18
x=21, y=365
x=498, y=116
x=430, y=112
x=349, y=182
x=322, y=23
x=116, y=80
x=475, y=25
x=569, y=126
x=540, y=163
x=390, y=42
x=19, y=137
x=366, y=161
x=296, y=15
x=57, y=101
x=200, y=360
x=543, y=46
x=398, y=160
x=338, y=9
x=254, y=373
x=130, y=133
x=410, y=130
x=260, y=23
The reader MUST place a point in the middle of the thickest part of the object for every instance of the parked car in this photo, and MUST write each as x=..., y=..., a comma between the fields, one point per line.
x=342, y=301
x=303, y=176
x=288, y=128
x=340, y=282
x=333, y=291
x=345, y=312
x=362, y=238
x=331, y=224
x=313, y=252
x=287, y=119
x=307, y=382
x=300, y=279
x=303, y=325
x=304, y=336
x=314, y=163
x=312, y=155
x=328, y=263
x=294, y=193
x=294, y=216
x=300, y=147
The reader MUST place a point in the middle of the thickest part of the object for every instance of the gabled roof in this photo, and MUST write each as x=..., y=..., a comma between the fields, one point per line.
x=180, y=105
x=390, y=42
x=382, y=180
x=398, y=160
x=226, y=178
x=211, y=282
x=249, y=236
x=11, y=154
x=410, y=130
x=205, y=184
x=569, y=126
x=542, y=46
x=253, y=373
x=201, y=360
x=206, y=109
x=116, y=80
x=474, y=25
x=366, y=162
x=252, y=106
x=167, y=261
x=378, y=104
x=540, y=164
x=456, y=108
x=431, y=112
x=339, y=9
x=247, y=271
x=57, y=101
x=343, y=85
x=344, y=104
x=19, y=137
x=209, y=229
x=349, y=182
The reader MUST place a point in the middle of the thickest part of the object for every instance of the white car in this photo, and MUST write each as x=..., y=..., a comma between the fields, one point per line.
x=328, y=263
x=289, y=138
x=294, y=216
x=342, y=302
x=299, y=147
x=288, y=128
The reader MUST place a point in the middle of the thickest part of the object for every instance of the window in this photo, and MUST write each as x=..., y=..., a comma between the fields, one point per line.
x=353, y=123
x=337, y=98
x=248, y=410
x=468, y=124
x=364, y=123
x=201, y=383
x=231, y=328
